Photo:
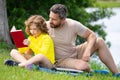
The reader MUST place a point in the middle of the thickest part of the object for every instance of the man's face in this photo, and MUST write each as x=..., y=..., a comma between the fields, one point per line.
x=55, y=20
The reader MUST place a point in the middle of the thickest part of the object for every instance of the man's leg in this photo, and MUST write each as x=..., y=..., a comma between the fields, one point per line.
x=73, y=64
x=105, y=55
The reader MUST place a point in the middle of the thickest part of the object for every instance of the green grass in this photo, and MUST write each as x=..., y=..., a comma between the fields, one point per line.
x=17, y=73
x=110, y=4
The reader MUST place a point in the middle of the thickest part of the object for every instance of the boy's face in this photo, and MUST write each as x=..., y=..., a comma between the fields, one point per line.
x=34, y=30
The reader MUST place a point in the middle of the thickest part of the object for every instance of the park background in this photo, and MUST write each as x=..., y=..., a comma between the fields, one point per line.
x=19, y=10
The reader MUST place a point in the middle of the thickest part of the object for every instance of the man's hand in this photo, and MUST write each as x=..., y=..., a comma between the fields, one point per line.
x=83, y=65
x=86, y=58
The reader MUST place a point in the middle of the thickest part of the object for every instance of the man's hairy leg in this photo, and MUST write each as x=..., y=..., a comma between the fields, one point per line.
x=74, y=64
x=82, y=65
x=105, y=55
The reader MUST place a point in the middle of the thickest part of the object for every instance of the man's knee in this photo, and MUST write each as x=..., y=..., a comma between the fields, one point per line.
x=100, y=41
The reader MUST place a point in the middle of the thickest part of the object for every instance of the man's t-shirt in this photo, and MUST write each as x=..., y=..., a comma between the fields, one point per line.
x=64, y=38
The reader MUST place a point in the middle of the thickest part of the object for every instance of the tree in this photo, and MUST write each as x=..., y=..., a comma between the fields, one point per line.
x=19, y=12
x=4, y=29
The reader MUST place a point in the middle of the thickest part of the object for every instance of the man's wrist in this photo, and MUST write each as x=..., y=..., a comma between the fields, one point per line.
x=85, y=59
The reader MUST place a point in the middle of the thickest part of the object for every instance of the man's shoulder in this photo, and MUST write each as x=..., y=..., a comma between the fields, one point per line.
x=47, y=21
x=71, y=21
x=48, y=24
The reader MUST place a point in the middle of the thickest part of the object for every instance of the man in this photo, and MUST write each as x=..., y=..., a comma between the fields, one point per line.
x=64, y=32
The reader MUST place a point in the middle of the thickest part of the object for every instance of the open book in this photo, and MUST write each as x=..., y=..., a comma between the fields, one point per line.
x=68, y=70
x=18, y=37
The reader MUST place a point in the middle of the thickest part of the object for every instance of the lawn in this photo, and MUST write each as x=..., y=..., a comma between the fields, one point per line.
x=110, y=4
x=16, y=73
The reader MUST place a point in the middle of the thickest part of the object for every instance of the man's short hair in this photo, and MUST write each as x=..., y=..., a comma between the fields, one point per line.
x=59, y=9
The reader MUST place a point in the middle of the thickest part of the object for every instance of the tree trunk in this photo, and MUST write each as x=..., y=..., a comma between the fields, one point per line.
x=4, y=29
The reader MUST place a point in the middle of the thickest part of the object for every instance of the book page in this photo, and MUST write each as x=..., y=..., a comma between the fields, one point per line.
x=13, y=29
x=68, y=69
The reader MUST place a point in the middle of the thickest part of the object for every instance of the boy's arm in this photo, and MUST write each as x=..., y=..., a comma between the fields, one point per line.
x=28, y=54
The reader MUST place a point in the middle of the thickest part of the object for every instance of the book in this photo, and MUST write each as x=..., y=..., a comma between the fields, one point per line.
x=68, y=70
x=18, y=37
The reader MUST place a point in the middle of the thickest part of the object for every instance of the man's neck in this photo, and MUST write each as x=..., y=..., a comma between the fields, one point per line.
x=63, y=22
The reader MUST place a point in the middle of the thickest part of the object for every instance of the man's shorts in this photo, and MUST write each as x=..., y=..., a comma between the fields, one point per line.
x=70, y=62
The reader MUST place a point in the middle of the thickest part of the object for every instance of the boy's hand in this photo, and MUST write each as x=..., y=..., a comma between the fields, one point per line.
x=26, y=42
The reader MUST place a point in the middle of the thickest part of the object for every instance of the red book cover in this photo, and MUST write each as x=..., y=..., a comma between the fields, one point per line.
x=18, y=37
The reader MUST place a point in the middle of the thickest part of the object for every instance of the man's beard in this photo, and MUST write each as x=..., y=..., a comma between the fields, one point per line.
x=54, y=26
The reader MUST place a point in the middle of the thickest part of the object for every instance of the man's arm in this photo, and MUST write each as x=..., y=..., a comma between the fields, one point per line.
x=91, y=39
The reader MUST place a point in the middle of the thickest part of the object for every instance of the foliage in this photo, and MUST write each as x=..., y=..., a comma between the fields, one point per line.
x=18, y=12
x=4, y=45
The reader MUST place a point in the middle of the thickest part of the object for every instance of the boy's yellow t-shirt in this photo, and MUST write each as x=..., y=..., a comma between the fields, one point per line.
x=23, y=49
x=42, y=45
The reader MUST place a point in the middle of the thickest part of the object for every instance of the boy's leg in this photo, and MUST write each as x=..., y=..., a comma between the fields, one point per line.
x=15, y=54
x=38, y=59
